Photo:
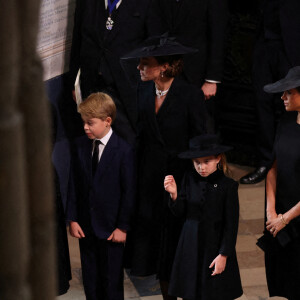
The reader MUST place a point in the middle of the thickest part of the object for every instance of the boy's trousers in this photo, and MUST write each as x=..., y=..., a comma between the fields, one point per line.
x=102, y=268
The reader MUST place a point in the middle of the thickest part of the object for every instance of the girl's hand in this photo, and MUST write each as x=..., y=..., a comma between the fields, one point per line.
x=274, y=225
x=220, y=263
x=170, y=186
x=75, y=230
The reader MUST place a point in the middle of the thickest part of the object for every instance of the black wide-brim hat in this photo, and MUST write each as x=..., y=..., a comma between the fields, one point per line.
x=290, y=81
x=204, y=145
x=159, y=46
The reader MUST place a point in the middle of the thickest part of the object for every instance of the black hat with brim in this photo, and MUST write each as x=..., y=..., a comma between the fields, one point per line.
x=159, y=46
x=204, y=145
x=290, y=81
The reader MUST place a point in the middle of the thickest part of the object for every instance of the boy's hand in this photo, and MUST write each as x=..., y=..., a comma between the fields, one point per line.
x=118, y=236
x=170, y=186
x=75, y=230
x=220, y=263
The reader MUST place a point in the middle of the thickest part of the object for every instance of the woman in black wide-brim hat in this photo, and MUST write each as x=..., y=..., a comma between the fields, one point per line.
x=205, y=266
x=282, y=235
x=170, y=112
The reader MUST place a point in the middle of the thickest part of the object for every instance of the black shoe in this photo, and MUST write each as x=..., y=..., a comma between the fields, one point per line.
x=258, y=175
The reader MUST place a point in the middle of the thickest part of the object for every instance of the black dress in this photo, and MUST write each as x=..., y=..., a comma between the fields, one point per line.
x=211, y=208
x=161, y=137
x=282, y=258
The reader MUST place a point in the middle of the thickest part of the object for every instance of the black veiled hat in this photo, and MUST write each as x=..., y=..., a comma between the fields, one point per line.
x=204, y=145
x=290, y=81
x=159, y=46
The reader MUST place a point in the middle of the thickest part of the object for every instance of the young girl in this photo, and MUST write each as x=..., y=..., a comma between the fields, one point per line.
x=205, y=265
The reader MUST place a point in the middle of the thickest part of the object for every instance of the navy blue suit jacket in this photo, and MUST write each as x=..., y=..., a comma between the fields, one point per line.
x=102, y=203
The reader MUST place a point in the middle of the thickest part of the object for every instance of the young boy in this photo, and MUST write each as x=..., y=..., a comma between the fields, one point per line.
x=101, y=199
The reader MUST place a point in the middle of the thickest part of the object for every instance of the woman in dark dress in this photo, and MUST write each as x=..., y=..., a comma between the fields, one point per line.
x=170, y=112
x=282, y=256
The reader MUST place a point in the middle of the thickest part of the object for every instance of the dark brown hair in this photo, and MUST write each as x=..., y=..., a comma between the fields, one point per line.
x=175, y=64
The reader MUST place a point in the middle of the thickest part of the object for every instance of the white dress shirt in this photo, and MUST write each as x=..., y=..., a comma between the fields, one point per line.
x=103, y=143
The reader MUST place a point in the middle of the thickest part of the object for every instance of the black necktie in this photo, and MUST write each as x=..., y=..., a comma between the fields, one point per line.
x=95, y=157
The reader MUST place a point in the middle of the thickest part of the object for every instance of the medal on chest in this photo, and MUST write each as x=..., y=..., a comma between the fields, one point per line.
x=111, y=5
x=109, y=23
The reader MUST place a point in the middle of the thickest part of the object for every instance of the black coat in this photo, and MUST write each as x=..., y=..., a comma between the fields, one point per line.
x=211, y=208
x=161, y=137
x=97, y=50
x=289, y=26
x=200, y=24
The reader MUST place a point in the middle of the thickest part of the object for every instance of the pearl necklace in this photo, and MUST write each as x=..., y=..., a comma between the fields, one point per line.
x=160, y=93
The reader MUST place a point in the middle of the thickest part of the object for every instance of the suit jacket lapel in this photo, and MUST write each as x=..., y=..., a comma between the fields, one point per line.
x=107, y=156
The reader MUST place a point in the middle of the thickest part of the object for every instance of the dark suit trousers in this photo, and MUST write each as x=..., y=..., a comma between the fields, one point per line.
x=102, y=268
x=270, y=64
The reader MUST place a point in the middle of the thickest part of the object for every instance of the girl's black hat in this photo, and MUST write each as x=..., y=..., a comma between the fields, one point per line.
x=204, y=145
x=159, y=46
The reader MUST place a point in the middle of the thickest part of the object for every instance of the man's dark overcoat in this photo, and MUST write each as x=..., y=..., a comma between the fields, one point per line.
x=161, y=137
x=211, y=208
x=97, y=51
x=200, y=24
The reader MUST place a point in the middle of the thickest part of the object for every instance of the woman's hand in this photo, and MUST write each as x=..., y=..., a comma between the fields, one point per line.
x=274, y=225
x=220, y=263
x=271, y=215
x=170, y=186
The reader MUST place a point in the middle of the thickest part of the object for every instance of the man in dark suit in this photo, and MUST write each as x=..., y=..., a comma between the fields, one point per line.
x=200, y=24
x=276, y=51
x=101, y=199
x=104, y=30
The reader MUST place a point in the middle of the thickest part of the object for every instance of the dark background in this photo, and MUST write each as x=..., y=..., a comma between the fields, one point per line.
x=235, y=113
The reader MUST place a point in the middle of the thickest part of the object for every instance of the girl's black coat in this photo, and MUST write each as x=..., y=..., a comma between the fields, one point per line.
x=211, y=208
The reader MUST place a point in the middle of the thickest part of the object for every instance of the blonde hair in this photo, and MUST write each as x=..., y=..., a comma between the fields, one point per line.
x=98, y=105
x=223, y=166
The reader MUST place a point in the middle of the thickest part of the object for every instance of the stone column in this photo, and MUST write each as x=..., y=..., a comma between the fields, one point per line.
x=35, y=107
x=13, y=194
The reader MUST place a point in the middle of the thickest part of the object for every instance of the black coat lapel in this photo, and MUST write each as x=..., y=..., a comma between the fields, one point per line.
x=151, y=117
x=169, y=101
